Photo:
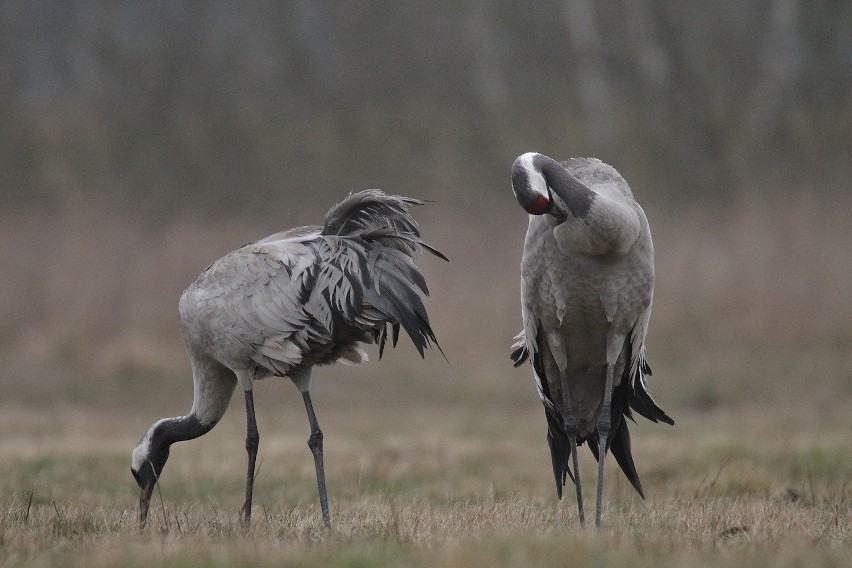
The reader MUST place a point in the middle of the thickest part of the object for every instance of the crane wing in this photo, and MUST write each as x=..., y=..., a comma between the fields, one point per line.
x=631, y=393
x=254, y=299
x=381, y=226
x=519, y=353
x=310, y=295
x=557, y=440
x=637, y=392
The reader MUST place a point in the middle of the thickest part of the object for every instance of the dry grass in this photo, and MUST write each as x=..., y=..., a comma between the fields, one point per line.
x=502, y=534
x=723, y=489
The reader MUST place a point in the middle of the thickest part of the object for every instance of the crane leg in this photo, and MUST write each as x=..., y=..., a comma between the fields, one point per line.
x=252, y=441
x=315, y=444
x=603, y=427
x=572, y=440
x=571, y=431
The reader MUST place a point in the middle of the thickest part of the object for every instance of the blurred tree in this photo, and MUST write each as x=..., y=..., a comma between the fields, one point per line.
x=213, y=105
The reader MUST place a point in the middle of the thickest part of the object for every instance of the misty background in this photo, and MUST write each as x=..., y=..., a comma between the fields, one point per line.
x=139, y=141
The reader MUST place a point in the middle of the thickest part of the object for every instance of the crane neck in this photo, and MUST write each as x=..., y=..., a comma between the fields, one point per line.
x=178, y=429
x=154, y=445
x=576, y=195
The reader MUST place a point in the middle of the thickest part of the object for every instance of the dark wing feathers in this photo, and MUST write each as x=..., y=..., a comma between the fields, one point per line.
x=631, y=393
x=396, y=261
x=559, y=454
x=619, y=436
x=307, y=295
x=619, y=445
x=395, y=296
x=367, y=271
x=378, y=217
x=640, y=399
x=557, y=440
x=395, y=334
x=379, y=227
x=371, y=209
x=520, y=353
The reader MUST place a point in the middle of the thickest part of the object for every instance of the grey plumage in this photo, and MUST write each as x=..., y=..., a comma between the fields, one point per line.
x=587, y=279
x=283, y=304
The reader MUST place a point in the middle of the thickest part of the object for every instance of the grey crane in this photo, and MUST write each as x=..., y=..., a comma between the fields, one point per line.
x=277, y=307
x=587, y=278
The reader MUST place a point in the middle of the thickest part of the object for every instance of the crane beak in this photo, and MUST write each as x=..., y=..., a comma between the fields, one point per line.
x=144, y=501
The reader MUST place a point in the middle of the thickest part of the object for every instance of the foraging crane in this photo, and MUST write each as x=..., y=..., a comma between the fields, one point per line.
x=277, y=307
x=587, y=278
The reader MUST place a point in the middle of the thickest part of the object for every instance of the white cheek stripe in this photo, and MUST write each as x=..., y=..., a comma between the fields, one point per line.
x=537, y=181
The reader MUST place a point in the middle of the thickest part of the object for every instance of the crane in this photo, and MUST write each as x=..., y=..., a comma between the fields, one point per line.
x=587, y=279
x=281, y=305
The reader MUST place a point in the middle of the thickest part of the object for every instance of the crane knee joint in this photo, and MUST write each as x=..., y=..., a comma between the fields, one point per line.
x=315, y=441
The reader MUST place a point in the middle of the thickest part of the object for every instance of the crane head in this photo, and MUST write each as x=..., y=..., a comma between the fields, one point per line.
x=530, y=187
x=146, y=465
x=544, y=186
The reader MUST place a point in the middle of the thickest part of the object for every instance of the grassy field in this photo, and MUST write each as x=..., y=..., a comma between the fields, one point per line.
x=432, y=463
x=449, y=485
